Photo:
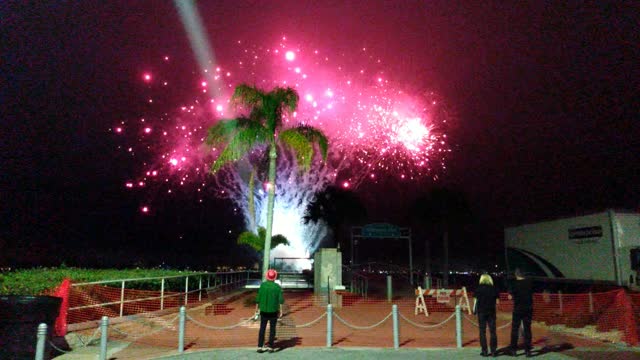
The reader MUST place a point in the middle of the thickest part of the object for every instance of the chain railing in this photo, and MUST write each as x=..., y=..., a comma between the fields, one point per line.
x=427, y=326
x=355, y=327
x=161, y=324
x=469, y=319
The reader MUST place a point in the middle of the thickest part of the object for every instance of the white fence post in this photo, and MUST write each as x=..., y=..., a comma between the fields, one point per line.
x=186, y=290
x=396, y=329
x=329, y=325
x=122, y=299
x=183, y=315
x=162, y=294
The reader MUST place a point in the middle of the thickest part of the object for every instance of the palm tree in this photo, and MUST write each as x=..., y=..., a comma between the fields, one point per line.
x=262, y=126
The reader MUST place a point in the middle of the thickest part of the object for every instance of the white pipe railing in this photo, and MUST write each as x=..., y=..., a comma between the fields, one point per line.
x=220, y=279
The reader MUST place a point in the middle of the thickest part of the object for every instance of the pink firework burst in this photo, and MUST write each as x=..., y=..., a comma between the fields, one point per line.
x=377, y=129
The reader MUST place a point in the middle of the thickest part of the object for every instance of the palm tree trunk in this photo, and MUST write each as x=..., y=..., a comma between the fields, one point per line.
x=252, y=209
x=271, y=195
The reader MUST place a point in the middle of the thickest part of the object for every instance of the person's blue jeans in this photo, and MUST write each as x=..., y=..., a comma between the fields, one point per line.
x=272, y=318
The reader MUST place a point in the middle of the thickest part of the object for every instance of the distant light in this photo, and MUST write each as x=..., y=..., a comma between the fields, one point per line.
x=118, y=130
x=345, y=184
x=173, y=162
x=146, y=77
x=309, y=97
x=219, y=107
x=144, y=209
x=290, y=55
x=297, y=70
x=203, y=84
x=147, y=130
x=129, y=185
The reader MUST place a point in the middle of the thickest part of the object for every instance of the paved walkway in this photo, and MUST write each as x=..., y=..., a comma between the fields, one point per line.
x=323, y=353
x=404, y=354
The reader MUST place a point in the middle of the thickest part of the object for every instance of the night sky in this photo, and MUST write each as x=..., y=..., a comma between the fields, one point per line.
x=544, y=96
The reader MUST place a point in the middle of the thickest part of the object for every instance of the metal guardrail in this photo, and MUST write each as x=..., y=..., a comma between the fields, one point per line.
x=206, y=280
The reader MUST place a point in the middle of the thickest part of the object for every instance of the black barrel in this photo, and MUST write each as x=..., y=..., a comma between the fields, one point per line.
x=20, y=316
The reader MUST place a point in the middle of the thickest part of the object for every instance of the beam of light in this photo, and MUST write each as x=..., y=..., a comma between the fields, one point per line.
x=200, y=45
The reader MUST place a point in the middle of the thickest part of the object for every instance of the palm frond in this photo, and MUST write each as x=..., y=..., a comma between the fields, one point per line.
x=248, y=95
x=241, y=135
x=221, y=132
x=256, y=241
x=286, y=97
x=301, y=146
x=301, y=140
x=278, y=240
x=251, y=239
x=315, y=136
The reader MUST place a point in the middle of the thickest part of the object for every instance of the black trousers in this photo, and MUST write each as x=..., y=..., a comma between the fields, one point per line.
x=524, y=318
x=485, y=319
x=272, y=318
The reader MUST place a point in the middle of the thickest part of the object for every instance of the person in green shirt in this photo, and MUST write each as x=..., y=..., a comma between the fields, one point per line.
x=269, y=302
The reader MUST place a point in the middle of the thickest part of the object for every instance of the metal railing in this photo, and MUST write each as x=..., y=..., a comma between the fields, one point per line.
x=170, y=287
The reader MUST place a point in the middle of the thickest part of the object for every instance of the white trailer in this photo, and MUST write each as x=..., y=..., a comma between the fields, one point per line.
x=597, y=248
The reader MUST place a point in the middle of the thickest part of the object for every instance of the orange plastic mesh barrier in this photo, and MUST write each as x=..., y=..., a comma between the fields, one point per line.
x=606, y=316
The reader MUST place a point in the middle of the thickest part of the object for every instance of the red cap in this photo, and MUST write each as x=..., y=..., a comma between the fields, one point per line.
x=272, y=274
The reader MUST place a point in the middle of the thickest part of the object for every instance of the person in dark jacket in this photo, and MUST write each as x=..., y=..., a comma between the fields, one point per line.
x=486, y=297
x=269, y=303
x=522, y=293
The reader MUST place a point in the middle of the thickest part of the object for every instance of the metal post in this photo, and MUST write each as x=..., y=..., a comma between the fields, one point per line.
x=183, y=313
x=458, y=327
x=104, y=336
x=410, y=260
x=396, y=330
x=200, y=289
x=427, y=282
x=590, y=302
x=389, y=288
x=122, y=299
x=351, y=249
x=186, y=290
x=162, y=294
x=42, y=338
x=560, y=300
x=366, y=288
x=329, y=325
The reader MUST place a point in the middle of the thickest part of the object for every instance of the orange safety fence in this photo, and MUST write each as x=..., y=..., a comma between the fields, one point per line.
x=606, y=316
